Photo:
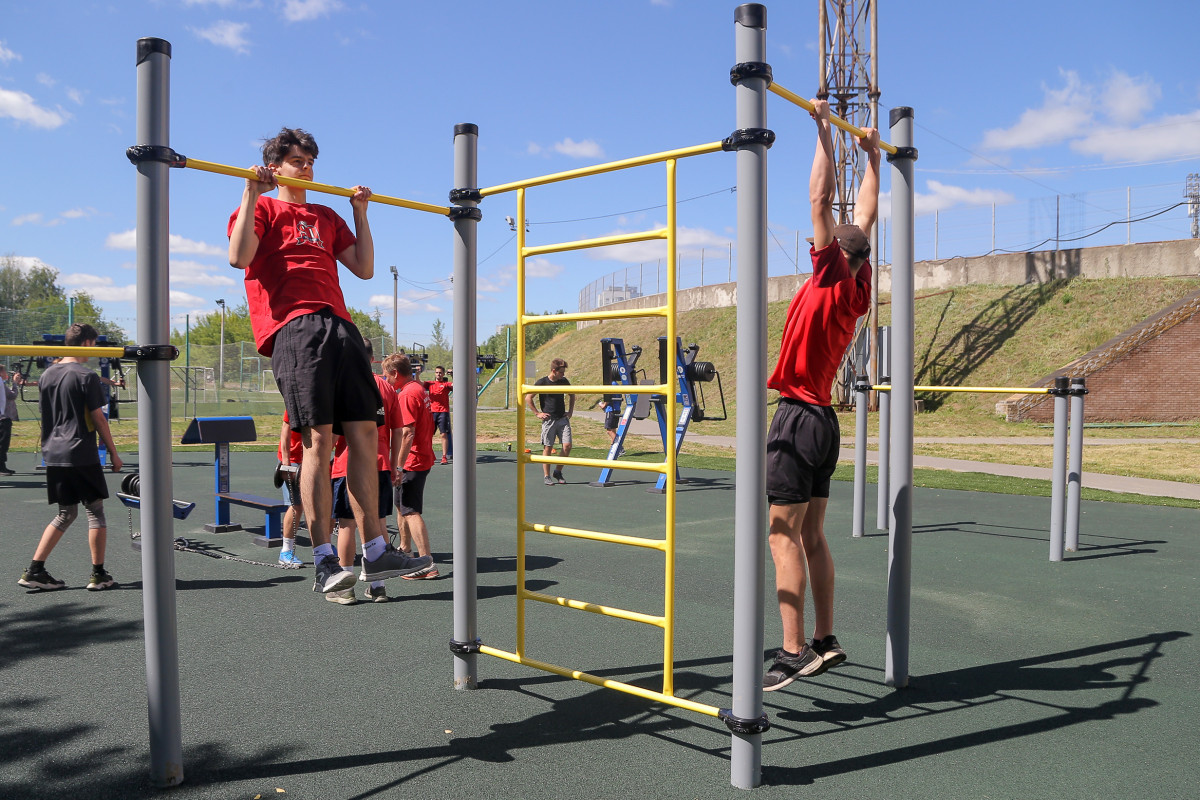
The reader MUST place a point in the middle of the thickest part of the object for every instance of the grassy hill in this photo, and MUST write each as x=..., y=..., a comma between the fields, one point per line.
x=974, y=335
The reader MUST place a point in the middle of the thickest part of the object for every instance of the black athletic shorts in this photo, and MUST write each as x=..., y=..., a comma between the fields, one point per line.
x=441, y=421
x=342, y=509
x=324, y=373
x=612, y=420
x=66, y=486
x=410, y=494
x=802, y=452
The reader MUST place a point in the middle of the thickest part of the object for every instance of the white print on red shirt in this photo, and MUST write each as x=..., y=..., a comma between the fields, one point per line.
x=307, y=233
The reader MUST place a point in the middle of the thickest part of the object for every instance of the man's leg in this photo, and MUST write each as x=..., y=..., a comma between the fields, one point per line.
x=820, y=565
x=415, y=524
x=5, y=438
x=50, y=537
x=546, y=450
x=316, y=495
x=347, y=543
x=787, y=551
x=362, y=476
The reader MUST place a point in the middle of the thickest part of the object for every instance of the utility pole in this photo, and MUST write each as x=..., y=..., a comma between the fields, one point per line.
x=395, y=308
x=1192, y=193
x=221, y=352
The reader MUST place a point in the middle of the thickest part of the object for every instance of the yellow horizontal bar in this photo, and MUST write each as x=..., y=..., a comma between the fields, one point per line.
x=646, y=694
x=627, y=313
x=976, y=389
x=238, y=172
x=600, y=463
x=580, y=388
x=602, y=241
x=598, y=169
x=833, y=118
x=597, y=536
x=60, y=351
x=594, y=608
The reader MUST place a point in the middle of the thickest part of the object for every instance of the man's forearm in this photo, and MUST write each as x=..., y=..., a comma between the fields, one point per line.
x=364, y=247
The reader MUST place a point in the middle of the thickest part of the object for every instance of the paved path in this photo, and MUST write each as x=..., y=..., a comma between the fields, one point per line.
x=1092, y=480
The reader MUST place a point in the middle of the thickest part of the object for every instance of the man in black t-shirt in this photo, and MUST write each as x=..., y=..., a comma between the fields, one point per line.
x=72, y=409
x=555, y=415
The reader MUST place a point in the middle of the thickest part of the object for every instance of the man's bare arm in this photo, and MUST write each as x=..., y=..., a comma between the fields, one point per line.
x=866, y=205
x=821, y=185
x=359, y=258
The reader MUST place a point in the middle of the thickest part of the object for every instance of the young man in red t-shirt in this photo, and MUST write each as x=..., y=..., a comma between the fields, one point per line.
x=290, y=250
x=804, y=439
x=415, y=459
x=439, y=403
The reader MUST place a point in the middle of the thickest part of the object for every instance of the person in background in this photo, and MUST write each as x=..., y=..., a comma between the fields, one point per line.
x=414, y=461
x=555, y=415
x=291, y=453
x=439, y=403
x=8, y=415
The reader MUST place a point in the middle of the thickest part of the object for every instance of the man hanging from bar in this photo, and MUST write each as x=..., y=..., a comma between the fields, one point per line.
x=290, y=249
x=804, y=438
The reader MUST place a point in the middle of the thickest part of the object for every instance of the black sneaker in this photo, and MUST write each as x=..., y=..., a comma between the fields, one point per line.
x=392, y=563
x=558, y=476
x=829, y=650
x=40, y=580
x=100, y=581
x=332, y=576
x=787, y=668
x=6, y=471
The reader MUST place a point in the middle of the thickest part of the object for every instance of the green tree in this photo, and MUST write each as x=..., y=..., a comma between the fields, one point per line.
x=35, y=304
x=439, y=347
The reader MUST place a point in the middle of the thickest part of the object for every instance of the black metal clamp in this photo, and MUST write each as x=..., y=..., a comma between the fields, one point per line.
x=903, y=152
x=151, y=352
x=465, y=212
x=750, y=69
x=464, y=648
x=744, y=725
x=745, y=137
x=155, y=152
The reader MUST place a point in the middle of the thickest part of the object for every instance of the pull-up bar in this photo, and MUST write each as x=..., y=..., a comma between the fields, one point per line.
x=130, y=352
x=173, y=159
x=837, y=121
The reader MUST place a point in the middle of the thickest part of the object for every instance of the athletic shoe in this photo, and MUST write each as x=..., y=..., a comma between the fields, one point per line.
x=377, y=595
x=829, y=650
x=344, y=597
x=787, y=668
x=392, y=563
x=424, y=574
x=40, y=579
x=100, y=581
x=558, y=476
x=332, y=576
x=290, y=559
x=444, y=461
x=6, y=471
x=549, y=481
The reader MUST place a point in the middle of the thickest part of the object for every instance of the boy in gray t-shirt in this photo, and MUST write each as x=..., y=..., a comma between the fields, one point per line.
x=72, y=409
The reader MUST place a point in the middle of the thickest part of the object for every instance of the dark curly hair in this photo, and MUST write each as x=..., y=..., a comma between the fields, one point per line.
x=275, y=149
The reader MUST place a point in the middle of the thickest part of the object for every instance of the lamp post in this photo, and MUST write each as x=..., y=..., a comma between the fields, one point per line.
x=395, y=306
x=221, y=352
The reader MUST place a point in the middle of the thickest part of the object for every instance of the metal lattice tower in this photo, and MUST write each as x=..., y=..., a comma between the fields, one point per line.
x=849, y=79
x=1192, y=193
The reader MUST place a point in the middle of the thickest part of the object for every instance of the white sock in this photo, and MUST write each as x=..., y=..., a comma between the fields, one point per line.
x=322, y=550
x=289, y=545
x=376, y=584
x=374, y=548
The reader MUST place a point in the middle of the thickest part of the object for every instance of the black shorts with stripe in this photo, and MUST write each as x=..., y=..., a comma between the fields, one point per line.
x=802, y=452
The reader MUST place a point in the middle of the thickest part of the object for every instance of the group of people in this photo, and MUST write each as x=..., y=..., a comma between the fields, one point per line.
x=377, y=430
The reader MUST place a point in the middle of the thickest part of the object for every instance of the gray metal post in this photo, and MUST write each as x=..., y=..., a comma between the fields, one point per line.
x=1058, y=477
x=750, y=507
x=1075, y=463
x=883, y=508
x=154, y=419
x=900, y=461
x=466, y=223
x=862, y=394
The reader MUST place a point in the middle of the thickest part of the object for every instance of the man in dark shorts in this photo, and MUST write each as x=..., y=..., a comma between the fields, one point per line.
x=804, y=439
x=290, y=250
x=439, y=403
x=414, y=461
x=72, y=410
x=555, y=415
x=611, y=403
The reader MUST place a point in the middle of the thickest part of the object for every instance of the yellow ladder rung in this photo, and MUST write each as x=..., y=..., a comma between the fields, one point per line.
x=587, y=316
x=595, y=608
x=636, y=466
x=638, y=691
x=599, y=388
x=596, y=536
x=602, y=241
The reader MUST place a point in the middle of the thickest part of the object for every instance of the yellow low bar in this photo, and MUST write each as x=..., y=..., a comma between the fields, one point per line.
x=598, y=169
x=325, y=188
x=600, y=463
x=612, y=388
x=602, y=241
x=59, y=351
x=597, y=536
x=627, y=688
x=837, y=121
x=587, y=316
x=971, y=389
x=594, y=608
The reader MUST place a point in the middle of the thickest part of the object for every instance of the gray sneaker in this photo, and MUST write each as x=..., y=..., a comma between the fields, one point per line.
x=345, y=597
x=548, y=481
x=332, y=576
x=392, y=563
x=787, y=668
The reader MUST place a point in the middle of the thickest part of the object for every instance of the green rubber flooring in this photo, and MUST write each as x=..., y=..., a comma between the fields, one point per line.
x=1029, y=679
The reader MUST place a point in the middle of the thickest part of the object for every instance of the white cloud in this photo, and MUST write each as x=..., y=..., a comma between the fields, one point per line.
x=224, y=33
x=7, y=55
x=533, y=149
x=691, y=243
x=1171, y=136
x=45, y=80
x=585, y=149
x=127, y=240
x=942, y=196
x=79, y=213
x=1126, y=99
x=23, y=108
x=75, y=96
x=541, y=268
x=28, y=219
x=411, y=302
x=1064, y=114
x=194, y=273
x=305, y=10
x=102, y=289
x=26, y=263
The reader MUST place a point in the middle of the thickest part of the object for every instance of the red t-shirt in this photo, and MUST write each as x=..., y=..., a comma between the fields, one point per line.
x=415, y=411
x=391, y=420
x=819, y=327
x=294, y=271
x=295, y=453
x=439, y=395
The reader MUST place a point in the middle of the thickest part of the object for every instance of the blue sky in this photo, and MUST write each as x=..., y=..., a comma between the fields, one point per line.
x=1016, y=104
